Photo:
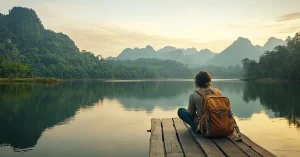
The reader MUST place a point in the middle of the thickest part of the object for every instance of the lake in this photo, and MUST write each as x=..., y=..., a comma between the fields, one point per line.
x=111, y=118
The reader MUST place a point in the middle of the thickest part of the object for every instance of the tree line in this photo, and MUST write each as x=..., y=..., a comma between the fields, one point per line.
x=30, y=50
x=282, y=63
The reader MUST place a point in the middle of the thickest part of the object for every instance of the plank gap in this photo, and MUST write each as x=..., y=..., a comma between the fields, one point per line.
x=178, y=138
x=163, y=138
x=228, y=147
x=220, y=148
x=207, y=145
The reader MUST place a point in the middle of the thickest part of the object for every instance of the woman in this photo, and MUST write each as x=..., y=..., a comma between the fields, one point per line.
x=193, y=114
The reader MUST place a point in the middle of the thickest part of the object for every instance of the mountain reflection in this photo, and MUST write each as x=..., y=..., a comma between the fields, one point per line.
x=27, y=110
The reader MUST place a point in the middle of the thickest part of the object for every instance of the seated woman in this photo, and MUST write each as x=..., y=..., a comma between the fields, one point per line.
x=193, y=114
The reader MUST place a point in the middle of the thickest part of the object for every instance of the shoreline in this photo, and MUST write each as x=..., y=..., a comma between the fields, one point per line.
x=30, y=80
x=57, y=80
x=268, y=80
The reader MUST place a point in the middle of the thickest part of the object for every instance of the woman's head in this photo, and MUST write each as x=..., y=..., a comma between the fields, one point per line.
x=203, y=79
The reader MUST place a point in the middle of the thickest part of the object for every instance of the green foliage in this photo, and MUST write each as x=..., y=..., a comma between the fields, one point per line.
x=9, y=51
x=281, y=63
x=24, y=39
x=221, y=72
x=14, y=69
x=153, y=68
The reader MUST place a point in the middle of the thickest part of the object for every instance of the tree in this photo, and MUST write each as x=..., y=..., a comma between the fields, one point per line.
x=281, y=63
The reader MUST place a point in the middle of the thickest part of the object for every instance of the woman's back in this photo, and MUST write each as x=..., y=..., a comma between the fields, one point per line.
x=195, y=101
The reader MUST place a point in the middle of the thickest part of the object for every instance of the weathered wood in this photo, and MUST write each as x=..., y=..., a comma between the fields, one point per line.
x=228, y=147
x=262, y=151
x=174, y=138
x=156, y=142
x=248, y=150
x=172, y=145
x=190, y=148
x=209, y=147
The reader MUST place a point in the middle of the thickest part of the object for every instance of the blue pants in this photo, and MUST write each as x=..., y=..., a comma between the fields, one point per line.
x=186, y=117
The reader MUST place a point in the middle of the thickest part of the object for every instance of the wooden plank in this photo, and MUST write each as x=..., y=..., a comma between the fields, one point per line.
x=262, y=151
x=228, y=147
x=172, y=145
x=189, y=147
x=156, y=142
x=248, y=150
x=209, y=147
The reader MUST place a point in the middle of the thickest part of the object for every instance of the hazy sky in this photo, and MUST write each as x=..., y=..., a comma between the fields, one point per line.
x=108, y=26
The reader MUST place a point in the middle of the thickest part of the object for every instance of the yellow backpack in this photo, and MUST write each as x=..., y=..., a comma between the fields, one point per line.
x=217, y=118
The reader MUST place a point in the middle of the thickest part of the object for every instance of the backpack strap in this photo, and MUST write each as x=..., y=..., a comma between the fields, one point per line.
x=216, y=91
x=201, y=93
x=203, y=97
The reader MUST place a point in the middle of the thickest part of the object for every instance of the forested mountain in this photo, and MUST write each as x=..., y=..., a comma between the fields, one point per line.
x=31, y=50
x=243, y=48
x=156, y=67
x=280, y=63
x=189, y=56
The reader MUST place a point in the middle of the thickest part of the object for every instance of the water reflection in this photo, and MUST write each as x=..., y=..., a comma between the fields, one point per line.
x=27, y=110
x=281, y=98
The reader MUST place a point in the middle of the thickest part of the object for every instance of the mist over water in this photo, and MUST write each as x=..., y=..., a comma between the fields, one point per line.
x=110, y=118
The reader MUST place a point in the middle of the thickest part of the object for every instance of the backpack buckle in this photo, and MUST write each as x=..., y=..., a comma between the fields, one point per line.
x=220, y=113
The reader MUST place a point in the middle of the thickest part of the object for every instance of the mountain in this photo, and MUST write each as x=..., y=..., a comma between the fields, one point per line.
x=133, y=54
x=190, y=51
x=110, y=58
x=167, y=49
x=167, y=52
x=201, y=57
x=189, y=56
x=27, y=47
x=271, y=43
x=232, y=55
x=240, y=49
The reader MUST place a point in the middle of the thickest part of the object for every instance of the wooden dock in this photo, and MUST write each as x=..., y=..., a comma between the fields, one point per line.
x=171, y=137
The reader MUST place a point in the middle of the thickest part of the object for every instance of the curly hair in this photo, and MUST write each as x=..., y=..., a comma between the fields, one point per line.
x=203, y=79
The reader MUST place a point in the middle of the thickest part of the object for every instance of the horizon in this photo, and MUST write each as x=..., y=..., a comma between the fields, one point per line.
x=110, y=27
x=156, y=49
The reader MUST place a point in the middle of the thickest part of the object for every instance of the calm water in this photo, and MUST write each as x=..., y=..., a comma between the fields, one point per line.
x=95, y=118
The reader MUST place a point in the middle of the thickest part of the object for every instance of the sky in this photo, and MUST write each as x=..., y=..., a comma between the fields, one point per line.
x=107, y=27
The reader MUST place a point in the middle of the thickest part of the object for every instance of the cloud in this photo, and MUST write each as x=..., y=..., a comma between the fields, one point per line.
x=288, y=17
x=110, y=41
x=290, y=30
x=254, y=27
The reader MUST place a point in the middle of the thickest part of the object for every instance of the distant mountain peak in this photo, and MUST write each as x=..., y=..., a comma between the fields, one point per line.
x=193, y=48
x=241, y=41
x=273, y=42
x=189, y=51
x=205, y=51
x=273, y=39
x=149, y=47
x=167, y=49
x=127, y=49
